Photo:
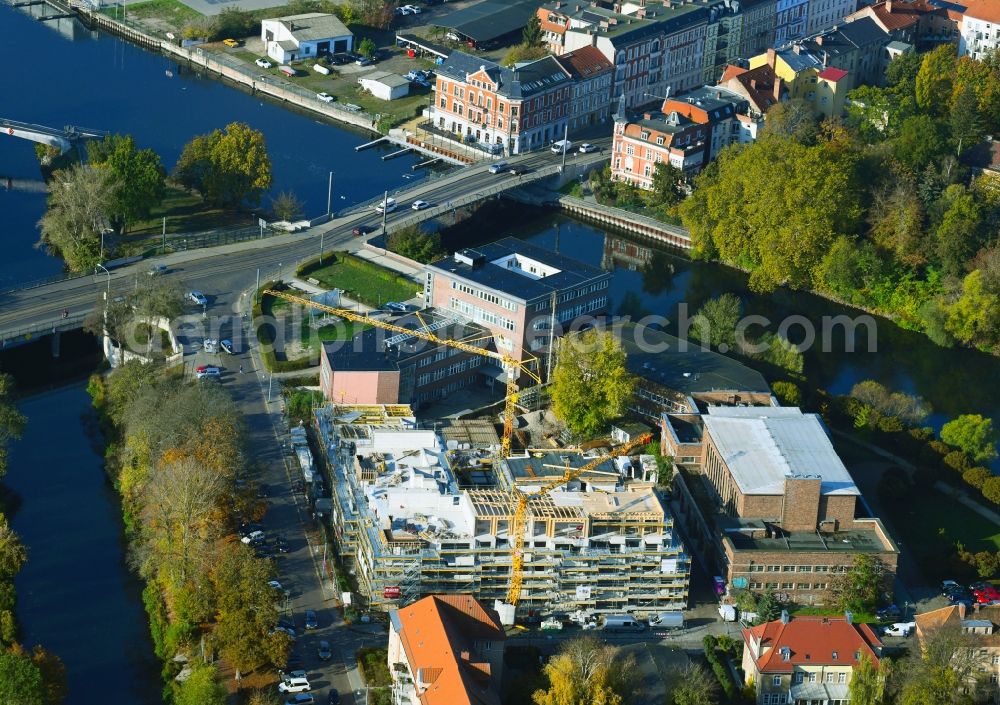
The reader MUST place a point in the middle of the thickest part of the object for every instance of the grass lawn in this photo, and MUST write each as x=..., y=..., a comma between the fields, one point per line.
x=398, y=111
x=185, y=213
x=156, y=13
x=362, y=280
x=345, y=330
x=859, y=617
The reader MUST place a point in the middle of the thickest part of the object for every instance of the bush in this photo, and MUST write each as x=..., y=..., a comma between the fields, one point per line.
x=957, y=461
x=976, y=477
x=718, y=668
x=788, y=393
x=265, y=336
x=991, y=489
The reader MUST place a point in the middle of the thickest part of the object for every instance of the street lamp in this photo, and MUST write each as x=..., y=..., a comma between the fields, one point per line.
x=101, y=266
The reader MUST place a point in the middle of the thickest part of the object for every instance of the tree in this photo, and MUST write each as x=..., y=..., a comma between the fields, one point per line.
x=12, y=421
x=227, y=167
x=159, y=298
x=967, y=127
x=906, y=407
x=13, y=554
x=374, y=13
x=202, y=687
x=975, y=317
x=958, y=234
x=991, y=489
x=920, y=141
x=848, y=267
x=868, y=681
x=522, y=53
x=234, y=22
x=901, y=73
x=286, y=206
x=590, y=384
x=20, y=679
x=976, y=477
x=940, y=672
x=732, y=212
x=934, y=80
x=414, y=243
x=716, y=320
x=137, y=173
x=896, y=217
x=531, y=35
x=794, y=119
x=788, y=393
x=695, y=685
x=80, y=208
x=667, y=190
x=768, y=609
x=53, y=672
x=859, y=589
x=973, y=434
x=587, y=671
x=367, y=47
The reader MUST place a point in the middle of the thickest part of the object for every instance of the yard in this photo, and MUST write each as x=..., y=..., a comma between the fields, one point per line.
x=360, y=280
x=374, y=665
x=159, y=15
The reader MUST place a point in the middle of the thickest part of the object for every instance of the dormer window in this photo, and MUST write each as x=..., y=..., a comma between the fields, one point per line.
x=786, y=653
x=857, y=655
x=834, y=655
x=644, y=135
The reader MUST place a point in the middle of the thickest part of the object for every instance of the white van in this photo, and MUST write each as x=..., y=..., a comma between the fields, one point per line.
x=558, y=147
x=622, y=623
x=294, y=685
x=386, y=206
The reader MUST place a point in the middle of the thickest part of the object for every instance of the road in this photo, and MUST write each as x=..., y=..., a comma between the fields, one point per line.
x=238, y=264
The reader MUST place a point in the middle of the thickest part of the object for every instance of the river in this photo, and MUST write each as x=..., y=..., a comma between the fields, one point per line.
x=102, y=82
x=75, y=595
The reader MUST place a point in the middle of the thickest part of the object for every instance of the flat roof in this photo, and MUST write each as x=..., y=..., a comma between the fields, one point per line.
x=854, y=541
x=490, y=19
x=685, y=366
x=543, y=464
x=313, y=26
x=510, y=282
x=762, y=446
x=478, y=433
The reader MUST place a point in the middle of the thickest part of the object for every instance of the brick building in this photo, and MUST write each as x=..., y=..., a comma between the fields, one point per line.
x=760, y=86
x=591, y=92
x=806, y=660
x=508, y=288
x=380, y=367
x=515, y=109
x=917, y=22
x=778, y=509
x=687, y=132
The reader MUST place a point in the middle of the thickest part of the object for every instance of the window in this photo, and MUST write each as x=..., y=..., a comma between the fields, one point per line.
x=841, y=677
x=805, y=568
x=798, y=677
x=812, y=677
x=788, y=569
x=829, y=677
x=776, y=681
x=787, y=586
x=834, y=655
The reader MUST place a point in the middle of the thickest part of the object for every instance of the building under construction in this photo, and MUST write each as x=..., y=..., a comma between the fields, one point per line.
x=603, y=543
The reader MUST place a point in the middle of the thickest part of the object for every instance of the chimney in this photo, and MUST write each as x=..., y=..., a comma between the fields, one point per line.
x=849, y=616
x=797, y=49
x=888, y=6
x=777, y=88
x=558, y=4
x=785, y=618
x=753, y=83
x=466, y=656
x=772, y=56
x=961, y=610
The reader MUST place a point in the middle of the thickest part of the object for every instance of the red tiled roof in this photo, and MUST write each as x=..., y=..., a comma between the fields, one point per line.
x=988, y=10
x=585, y=63
x=757, y=84
x=810, y=641
x=437, y=634
x=549, y=25
x=732, y=71
x=832, y=73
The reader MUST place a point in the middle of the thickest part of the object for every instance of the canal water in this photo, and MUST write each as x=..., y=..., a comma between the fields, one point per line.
x=75, y=594
x=60, y=74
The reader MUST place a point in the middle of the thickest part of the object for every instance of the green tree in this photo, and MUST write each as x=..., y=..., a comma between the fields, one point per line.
x=768, y=608
x=590, y=384
x=194, y=167
x=794, y=119
x=868, y=681
x=974, y=434
x=896, y=216
x=367, y=47
x=286, y=206
x=81, y=206
x=788, y=393
x=967, y=127
x=732, y=213
x=20, y=679
x=12, y=421
x=976, y=477
x=202, y=687
x=934, y=80
x=531, y=35
x=522, y=53
x=235, y=23
x=849, y=266
x=782, y=353
x=991, y=489
x=227, y=167
x=716, y=320
x=13, y=554
x=53, y=672
x=958, y=234
x=975, y=317
x=587, y=671
x=138, y=174
x=694, y=685
x=413, y=242
x=921, y=140
x=667, y=190
x=859, y=589
x=901, y=73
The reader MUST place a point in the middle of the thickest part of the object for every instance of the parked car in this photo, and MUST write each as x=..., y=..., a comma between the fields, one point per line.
x=301, y=699
x=298, y=486
x=264, y=63
x=274, y=584
x=287, y=630
x=888, y=612
x=325, y=97
x=253, y=537
x=414, y=10
x=949, y=585
x=282, y=545
x=413, y=75
x=395, y=306
x=207, y=371
x=323, y=651
x=419, y=205
x=227, y=346
x=899, y=629
x=311, y=621
x=231, y=43
x=333, y=698
x=294, y=685
x=198, y=298
x=587, y=148
x=364, y=61
x=499, y=167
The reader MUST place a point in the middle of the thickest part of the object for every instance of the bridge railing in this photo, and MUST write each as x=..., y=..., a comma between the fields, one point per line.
x=58, y=325
x=34, y=283
x=410, y=184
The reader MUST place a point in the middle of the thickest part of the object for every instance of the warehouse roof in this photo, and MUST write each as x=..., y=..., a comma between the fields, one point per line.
x=763, y=446
x=490, y=19
x=312, y=26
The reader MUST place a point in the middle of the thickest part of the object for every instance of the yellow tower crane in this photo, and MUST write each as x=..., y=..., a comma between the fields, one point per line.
x=510, y=364
x=519, y=501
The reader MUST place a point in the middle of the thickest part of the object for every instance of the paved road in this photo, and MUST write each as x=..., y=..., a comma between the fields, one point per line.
x=205, y=269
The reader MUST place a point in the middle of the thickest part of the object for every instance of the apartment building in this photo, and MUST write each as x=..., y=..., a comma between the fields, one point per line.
x=687, y=132
x=824, y=14
x=405, y=529
x=383, y=367
x=777, y=509
x=979, y=33
x=760, y=86
x=445, y=650
x=976, y=636
x=513, y=110
x=591, y=73
x=509, y=287
x=917, y=22
x=806, y=660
